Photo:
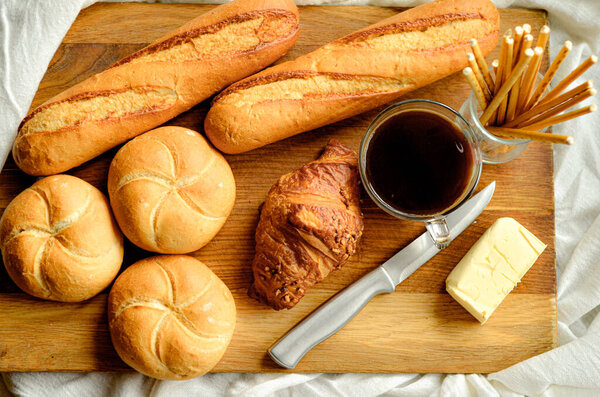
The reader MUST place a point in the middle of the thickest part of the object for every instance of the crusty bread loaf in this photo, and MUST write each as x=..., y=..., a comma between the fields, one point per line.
x=348, y=76
x=59, y=240
x=155, y=84
x=170, y=190
x=170, y=317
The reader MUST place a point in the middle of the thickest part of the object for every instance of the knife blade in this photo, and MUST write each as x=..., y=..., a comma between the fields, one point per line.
x=332, y=315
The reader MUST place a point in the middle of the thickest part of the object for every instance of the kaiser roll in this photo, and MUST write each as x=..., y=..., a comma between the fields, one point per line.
x=170, y=317
x=171, y=192
x=59, y=240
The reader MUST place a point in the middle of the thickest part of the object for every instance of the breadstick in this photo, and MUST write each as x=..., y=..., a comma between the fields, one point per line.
x=510, y=82
x=563, y=117
x=560, y=108
x=550, y=73
x=570, y=78
x=479, y=77
x=526, y=44
x=482, y=64
x=500, y=73
x=507, y=70
x=529, y=79
x=541, y=108
x=495, y=64
x=477, y=91
x=543, y=37
x=518, y=37
x=532, y=135
x=514, y=93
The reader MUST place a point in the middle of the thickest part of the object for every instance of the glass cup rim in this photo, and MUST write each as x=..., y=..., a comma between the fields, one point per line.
x=363, y=160
x=483, y=131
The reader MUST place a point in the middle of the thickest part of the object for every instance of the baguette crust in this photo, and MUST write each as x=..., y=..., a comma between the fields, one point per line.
x=185, y=67
x=378, y=64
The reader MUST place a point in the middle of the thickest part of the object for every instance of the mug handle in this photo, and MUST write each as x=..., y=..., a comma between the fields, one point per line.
x=439, y=232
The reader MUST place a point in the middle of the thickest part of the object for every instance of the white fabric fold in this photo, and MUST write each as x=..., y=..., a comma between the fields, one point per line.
x=30, y=32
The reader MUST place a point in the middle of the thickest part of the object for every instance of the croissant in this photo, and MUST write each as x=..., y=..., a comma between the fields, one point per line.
x=310, y=224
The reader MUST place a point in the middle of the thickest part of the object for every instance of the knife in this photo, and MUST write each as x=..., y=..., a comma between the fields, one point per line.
x=332, y=315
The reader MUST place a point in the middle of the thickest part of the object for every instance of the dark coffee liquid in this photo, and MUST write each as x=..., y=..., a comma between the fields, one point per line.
x=419, y=163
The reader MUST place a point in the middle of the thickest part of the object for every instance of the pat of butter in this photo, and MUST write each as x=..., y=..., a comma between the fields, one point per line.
x=493, y=266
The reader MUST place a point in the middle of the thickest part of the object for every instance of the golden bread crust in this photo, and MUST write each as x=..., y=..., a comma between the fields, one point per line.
x=170, y=190
x=59, y=240
x=121, y=102
x=377, y=65
x=310, y=224
x=170, y=317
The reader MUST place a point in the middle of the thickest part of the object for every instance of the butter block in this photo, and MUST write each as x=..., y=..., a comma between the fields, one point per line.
x=493, y=266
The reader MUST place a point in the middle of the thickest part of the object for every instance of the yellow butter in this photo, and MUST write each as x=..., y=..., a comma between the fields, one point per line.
x=493, y=266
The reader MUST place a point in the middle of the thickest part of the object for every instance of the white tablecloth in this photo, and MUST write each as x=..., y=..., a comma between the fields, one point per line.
x=30, y=32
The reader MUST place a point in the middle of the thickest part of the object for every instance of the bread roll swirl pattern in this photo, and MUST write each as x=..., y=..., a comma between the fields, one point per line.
x=155, y=84
x=170, y=191
x=358, y=72
x=171, y=317
x=59, y=240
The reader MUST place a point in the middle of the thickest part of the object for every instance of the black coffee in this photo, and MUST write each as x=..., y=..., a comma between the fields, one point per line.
x=419, y=163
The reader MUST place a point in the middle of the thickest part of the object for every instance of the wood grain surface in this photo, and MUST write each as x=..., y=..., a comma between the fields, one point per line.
x=419, y=328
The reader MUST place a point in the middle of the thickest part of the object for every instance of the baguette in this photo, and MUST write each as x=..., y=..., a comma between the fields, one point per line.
x=356, y=73
x=155, y=84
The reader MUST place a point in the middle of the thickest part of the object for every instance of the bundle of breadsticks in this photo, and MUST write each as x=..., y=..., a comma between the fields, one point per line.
x=515, y=102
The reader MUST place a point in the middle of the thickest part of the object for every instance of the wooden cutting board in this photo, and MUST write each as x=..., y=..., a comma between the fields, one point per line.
x=419, y=328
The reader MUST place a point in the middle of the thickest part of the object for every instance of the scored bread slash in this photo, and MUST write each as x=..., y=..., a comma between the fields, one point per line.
x=494, y=265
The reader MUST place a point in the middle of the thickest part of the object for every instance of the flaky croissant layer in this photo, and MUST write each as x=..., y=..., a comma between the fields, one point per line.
x=310, y=224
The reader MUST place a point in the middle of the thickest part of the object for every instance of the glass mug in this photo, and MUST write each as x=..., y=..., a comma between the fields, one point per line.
x=494, y=149
x=435, y=222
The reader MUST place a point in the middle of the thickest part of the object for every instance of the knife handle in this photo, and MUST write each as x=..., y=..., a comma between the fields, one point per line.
x=330, y=317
